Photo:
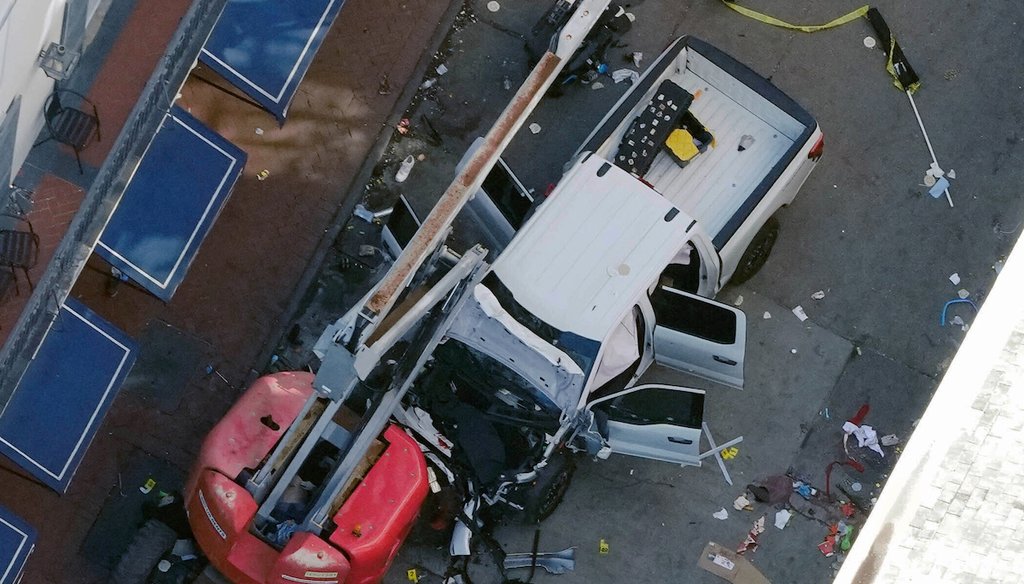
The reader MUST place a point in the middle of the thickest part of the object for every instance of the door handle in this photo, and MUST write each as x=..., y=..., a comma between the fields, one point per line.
x=677, y=440
x=725, y=360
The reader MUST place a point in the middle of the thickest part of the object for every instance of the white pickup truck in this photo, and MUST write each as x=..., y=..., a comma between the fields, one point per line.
x=509, y=361
x=719, y=142
x=543, y=346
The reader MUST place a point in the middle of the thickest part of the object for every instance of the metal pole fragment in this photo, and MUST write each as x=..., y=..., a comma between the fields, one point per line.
x=927, y=141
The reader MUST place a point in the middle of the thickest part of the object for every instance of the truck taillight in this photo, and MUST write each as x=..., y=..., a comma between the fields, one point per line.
x=819, y=147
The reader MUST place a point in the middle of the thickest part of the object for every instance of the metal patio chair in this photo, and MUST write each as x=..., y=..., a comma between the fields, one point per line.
x=19, y=249
x=71, y=125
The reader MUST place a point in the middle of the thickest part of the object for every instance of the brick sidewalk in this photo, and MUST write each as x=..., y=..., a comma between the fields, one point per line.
x=236, y=294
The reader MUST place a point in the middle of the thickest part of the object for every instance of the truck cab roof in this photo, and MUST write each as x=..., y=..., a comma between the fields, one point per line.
x=598, y=242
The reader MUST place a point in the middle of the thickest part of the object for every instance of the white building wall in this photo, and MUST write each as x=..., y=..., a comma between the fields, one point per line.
x=30, y=27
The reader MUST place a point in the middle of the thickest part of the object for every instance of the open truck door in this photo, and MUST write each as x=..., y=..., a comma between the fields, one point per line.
x=661, y=422
x=400, y=228
x=699, y=336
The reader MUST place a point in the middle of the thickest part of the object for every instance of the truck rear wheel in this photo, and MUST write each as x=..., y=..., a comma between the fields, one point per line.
x=757, y=252
x=549, y=488
x=150, y=543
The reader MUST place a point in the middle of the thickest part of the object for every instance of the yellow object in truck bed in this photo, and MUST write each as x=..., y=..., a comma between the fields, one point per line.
x=680, y=145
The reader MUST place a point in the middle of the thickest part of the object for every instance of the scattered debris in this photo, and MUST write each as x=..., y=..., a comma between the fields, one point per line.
x=963, y=293
x=262, y=175
x=211, y=370
x=766, y=315
x=889, y=440
x=941, y=186
x=729, y=565
x=799, y=312
x=866, y=436
x=724, y=454
x=839, y=534
x=636, y=57
x=746, y=141
x=493, y=6
x=421, y=157
x=403, y=126
x=552, y=562
x=363, y=213
x=596, y=85
x=954, y=278
x=535, y=128
x=603, y=547
x=259, y=131
x=405, y=168
x=147, y=487
x=793, y=351
x=869, y=42
x=620, y=75
x=738, y=301
x=827, y=547
x=750, y=542
x=742, y=503
x=366, y=250
x=998, y=266
x=945, y=308
x=818, y=295
x=782, y=518
x=506, y=83
x=441, y=69
x=951, y=174
x=804, y=489
x=721, y=515
x=824, y=413
x=385, y=86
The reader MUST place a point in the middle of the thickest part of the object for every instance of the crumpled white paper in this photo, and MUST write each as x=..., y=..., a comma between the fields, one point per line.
x=620, y=75
x=866, y=436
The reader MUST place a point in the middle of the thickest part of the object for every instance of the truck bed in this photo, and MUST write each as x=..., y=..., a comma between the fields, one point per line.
x=722, y=184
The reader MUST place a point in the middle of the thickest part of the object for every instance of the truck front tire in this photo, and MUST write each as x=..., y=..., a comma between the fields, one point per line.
x=150, y=543
x=757, y=252
x=549, y=488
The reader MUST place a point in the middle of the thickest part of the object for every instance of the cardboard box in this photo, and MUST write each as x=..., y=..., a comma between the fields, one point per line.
x=727, y=564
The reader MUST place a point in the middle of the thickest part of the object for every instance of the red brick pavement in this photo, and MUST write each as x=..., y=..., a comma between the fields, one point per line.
x=238, y=288
x=55, y=202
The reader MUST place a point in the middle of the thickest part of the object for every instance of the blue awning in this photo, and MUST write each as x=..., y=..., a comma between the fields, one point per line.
x=170, y=203
x=64, y=393
x=264, y=47
x=16, y=541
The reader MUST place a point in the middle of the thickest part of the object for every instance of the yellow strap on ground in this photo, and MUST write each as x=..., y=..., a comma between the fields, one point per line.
x=892, y=70
x=802, y=28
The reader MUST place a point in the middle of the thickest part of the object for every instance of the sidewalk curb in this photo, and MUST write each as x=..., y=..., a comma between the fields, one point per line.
x=355, y=188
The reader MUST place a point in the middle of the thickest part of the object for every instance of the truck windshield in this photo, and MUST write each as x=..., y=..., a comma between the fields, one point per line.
x=580, y=349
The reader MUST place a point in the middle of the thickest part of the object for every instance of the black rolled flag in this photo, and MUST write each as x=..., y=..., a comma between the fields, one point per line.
x=904, y=76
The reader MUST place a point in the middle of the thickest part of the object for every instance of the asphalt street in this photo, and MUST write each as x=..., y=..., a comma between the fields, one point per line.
x=863, y=230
